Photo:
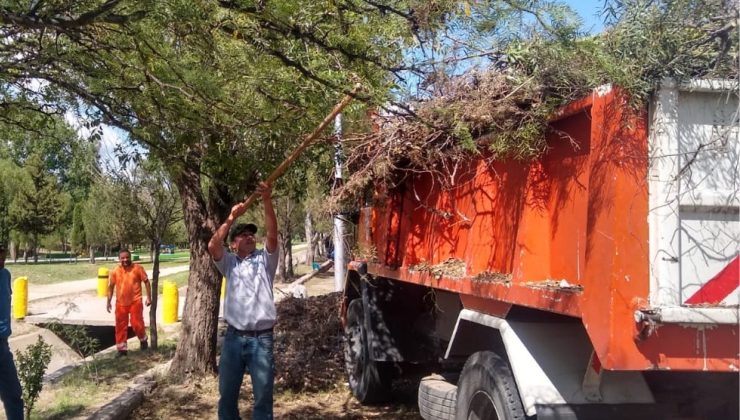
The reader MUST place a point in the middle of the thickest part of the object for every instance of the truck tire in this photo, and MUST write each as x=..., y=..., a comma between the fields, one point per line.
x=487, y=391
x=369, y=381
x=437, y=398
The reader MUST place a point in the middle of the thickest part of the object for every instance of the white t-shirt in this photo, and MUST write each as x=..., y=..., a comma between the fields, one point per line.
x=249, y=302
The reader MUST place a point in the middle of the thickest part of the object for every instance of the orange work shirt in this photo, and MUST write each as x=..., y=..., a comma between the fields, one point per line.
x=128, y=283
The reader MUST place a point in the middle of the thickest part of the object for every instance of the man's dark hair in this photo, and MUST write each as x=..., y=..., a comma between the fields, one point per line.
x=122, y=250
x=242, y=228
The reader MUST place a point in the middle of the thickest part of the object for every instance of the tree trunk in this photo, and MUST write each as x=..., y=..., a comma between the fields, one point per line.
x=310, y=250
x=285, y=272
x=281, y=275
x=35, y=249
x=196, y=350
x=155, y=296
x=14, y=251
x=92, y=254
x=314, y=244
x=289, y=257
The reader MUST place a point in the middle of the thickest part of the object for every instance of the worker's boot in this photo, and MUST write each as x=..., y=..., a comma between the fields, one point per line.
x=122, y=353
x=144, y=345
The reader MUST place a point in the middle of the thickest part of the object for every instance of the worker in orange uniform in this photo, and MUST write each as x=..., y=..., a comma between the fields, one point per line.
x=126, y=279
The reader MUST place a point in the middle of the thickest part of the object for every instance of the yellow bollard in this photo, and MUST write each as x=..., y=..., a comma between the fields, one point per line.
x=223, y=287
x=20, y=297
x=102, y=282
x=169, y=302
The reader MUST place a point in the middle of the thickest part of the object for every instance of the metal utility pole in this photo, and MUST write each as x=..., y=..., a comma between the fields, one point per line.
x=340, y=263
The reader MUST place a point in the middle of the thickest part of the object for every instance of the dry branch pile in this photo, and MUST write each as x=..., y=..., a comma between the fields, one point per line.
x=488, y=112
x=308, y=344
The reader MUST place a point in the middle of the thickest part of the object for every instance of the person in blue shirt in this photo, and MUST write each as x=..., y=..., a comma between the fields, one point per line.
x=329, y=245
x=249, y=309
x=10, y=386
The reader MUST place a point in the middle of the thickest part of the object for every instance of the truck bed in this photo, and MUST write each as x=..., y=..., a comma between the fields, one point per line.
x=628, y=222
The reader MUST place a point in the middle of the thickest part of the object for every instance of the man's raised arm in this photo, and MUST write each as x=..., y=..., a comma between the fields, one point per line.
x=215, y=245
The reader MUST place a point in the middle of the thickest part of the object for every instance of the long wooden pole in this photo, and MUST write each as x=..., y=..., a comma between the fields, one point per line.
x=307, y=142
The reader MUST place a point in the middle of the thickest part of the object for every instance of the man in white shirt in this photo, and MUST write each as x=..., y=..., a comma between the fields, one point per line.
x=249, y=309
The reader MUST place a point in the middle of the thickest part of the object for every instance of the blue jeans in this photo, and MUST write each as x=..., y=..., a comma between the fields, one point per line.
x=240, y=354
x=10, y=387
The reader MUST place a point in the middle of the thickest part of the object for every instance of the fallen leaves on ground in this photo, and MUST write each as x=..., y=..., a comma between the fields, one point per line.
x=309, y=374
x=308, y=344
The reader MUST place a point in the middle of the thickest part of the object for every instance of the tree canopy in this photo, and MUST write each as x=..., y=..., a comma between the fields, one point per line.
x=216, y=90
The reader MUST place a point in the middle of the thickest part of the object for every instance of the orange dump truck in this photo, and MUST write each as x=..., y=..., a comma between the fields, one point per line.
x=600, y=281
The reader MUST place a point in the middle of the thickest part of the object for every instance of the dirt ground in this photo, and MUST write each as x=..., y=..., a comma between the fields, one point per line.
x=309, y=379
x=199, y=399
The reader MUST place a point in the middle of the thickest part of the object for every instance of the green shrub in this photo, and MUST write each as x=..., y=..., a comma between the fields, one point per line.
x=32, y=364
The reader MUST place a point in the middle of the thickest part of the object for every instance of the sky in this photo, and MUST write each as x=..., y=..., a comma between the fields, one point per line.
x=589, y=12
x=111, y=137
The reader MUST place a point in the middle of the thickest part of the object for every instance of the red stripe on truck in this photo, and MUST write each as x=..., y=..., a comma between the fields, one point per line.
x=719, y=287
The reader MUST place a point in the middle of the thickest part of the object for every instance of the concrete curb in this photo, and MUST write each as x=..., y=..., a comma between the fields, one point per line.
x=57, y=375
x=125, y=403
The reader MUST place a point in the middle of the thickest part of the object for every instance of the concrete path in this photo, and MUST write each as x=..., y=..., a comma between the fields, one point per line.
x=42, y=291
x=77, y=302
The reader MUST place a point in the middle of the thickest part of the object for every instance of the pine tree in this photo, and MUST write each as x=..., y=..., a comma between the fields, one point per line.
x=78, y=230
x=36, y=211
x=4, y=218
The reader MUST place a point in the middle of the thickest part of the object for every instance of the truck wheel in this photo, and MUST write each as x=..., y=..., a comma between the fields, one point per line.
x=437, y=398
x=369, y=381
x=486, y=390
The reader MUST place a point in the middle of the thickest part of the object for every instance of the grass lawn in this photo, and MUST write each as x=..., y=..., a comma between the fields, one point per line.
x=177, y=256
x=47, y=273
x=181, y=279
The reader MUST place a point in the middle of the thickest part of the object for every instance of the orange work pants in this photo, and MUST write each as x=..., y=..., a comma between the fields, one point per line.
x=136, y=312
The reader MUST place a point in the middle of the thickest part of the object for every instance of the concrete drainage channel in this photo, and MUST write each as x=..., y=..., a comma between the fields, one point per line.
x=127, y=401
x=104, y=334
